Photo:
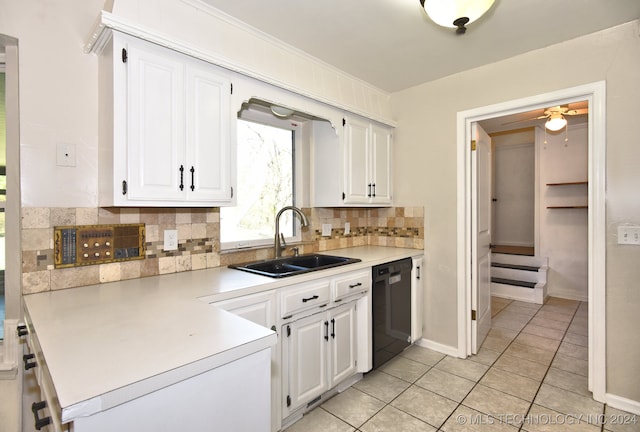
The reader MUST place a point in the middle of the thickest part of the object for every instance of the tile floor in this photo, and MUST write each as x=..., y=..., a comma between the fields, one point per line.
x=529, y=375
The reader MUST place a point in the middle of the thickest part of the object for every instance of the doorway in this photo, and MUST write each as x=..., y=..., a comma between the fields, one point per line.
x=594, y=94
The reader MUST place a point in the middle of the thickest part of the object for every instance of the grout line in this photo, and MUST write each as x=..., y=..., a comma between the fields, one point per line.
x=550, y=363
x=489, y=368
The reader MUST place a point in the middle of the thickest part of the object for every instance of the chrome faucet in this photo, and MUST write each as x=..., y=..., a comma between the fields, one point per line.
x=277, y=245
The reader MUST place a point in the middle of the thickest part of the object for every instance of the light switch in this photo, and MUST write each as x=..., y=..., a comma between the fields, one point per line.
x=629, y=234
x=347, y=228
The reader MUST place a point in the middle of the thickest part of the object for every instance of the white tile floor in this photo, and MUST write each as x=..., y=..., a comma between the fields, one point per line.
x=530, y=375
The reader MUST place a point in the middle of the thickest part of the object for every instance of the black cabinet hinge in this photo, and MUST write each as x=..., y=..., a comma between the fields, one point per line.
x=344, y=121
x=22, y=330
x=231, y=88
x=124, y=55
x=473, y=315
x=343, y=195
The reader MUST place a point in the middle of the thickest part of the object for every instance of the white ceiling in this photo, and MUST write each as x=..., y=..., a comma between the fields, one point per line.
x=393, y=45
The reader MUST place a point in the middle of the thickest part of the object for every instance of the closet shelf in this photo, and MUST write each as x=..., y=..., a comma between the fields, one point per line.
x=568, y=207
x=568, y=183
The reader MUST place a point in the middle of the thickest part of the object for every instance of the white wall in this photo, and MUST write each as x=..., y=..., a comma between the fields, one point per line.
x=564, y=232
x=58, y=99
x=426, y=172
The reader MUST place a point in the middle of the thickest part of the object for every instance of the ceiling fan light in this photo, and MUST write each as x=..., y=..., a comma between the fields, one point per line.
x=555, y=122
x=445, y=12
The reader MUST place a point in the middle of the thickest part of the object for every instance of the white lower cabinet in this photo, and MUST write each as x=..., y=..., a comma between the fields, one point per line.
x=218, y=399
x=318, y=352
x=260, y=309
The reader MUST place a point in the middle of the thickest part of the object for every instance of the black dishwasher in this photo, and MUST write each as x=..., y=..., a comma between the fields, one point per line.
x=391, y=309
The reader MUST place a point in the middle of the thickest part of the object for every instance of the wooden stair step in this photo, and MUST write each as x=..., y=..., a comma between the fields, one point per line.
x=515, y=266
x=514, y=282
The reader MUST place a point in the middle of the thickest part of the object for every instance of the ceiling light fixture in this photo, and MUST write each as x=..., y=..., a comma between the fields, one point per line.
x=555, y=122
x=281, y=112
x=456, y=13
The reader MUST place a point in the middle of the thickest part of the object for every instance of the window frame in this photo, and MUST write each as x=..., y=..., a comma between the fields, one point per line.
x=298, y=127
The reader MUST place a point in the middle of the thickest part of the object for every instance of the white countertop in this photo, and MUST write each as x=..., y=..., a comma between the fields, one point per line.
x=106, y=344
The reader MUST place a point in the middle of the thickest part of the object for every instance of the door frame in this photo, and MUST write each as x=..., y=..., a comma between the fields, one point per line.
x=595, y=94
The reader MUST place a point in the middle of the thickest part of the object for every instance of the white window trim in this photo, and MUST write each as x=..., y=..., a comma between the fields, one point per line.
x=299, y=150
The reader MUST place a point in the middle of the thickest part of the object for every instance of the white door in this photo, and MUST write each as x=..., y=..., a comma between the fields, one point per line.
x=305, y=345
x=481, y=237
x=357, y=182
x=155, y=130
x=343, y=343
x=381, y=142
x=207, y=132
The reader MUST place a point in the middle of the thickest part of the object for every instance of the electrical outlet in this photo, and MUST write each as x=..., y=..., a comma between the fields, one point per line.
x=326, y=230
x=629, y=234
x=347, y=228
x=170, y=240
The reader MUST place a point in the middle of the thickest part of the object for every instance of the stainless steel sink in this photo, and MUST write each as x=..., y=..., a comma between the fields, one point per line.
x=291, y=266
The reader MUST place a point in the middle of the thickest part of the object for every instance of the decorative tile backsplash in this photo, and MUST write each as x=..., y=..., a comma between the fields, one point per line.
x=198, y=240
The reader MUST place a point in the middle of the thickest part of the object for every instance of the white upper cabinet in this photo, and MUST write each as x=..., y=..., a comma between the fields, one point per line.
x=362, y=154
x=380, y=164
x=165, y=135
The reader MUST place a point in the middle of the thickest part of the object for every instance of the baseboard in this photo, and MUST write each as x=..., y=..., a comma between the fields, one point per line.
x=569, y=295
x=436, y=346
x=623, y=404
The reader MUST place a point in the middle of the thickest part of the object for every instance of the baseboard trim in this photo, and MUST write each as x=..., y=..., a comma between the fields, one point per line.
x=437, y=346
x=623, y=404
x=569, y=295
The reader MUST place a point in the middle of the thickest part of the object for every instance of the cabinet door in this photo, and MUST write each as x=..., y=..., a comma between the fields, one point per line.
x=381, y=162
x=305, y=355
x=342, y=327
x=207, y=134
x=357, y=182
x=155, y=122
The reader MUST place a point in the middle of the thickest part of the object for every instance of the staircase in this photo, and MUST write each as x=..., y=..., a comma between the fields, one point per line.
x=519, y=277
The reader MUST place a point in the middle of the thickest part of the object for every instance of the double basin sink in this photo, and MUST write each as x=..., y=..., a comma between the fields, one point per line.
x=295, y=265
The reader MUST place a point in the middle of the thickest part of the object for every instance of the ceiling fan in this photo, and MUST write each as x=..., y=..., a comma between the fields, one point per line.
x=555, y=116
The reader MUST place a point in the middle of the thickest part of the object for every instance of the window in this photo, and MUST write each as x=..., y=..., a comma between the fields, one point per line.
x=266, y=155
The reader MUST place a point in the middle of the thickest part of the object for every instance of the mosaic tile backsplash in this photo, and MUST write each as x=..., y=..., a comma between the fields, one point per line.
x=198, y=240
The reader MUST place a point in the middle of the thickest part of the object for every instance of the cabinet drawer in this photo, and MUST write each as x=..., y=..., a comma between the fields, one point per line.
x=352, y=284
x=305, y=297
